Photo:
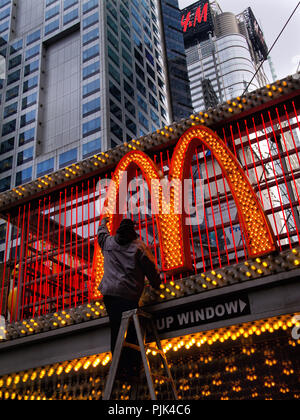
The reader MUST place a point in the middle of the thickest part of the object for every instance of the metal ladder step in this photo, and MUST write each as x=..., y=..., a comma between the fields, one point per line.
x=134, y=316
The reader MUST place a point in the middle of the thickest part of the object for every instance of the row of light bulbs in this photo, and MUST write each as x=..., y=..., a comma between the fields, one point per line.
x=12, y=383
x=246, y=271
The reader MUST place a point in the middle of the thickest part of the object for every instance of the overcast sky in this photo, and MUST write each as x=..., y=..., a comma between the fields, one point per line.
x=272, y=15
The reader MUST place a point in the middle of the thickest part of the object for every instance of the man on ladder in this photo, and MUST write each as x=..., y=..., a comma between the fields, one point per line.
x=127, y=261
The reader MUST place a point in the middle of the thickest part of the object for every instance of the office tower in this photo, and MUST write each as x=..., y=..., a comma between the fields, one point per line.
x=223, y=48
x=82, y=76
x=181, y=101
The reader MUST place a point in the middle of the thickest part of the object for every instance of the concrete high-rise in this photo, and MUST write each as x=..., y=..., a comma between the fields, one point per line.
x=84, y=76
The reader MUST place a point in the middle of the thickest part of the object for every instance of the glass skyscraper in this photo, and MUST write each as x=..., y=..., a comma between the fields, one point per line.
x=223, y=50
x=179, y=84
x=82, y=77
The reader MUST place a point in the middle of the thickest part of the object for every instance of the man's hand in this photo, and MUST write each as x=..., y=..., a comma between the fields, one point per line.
x=105, y=218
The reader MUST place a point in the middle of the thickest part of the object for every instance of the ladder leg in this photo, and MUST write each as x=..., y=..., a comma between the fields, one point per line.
x=144, y=357
x=115, y=359
x=164, y=359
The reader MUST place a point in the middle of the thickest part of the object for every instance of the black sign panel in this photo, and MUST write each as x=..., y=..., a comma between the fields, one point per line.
x=196, y=22
x=199, y=313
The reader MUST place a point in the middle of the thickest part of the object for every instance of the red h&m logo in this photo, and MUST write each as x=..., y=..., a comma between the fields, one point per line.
x=200, y=16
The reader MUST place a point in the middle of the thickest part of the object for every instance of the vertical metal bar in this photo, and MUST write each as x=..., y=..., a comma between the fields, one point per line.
x=71, y=253
x=42, y=259
x=64, y=258
x=205, y=218
x=266, y=178
x=58, y=255
x=47, y=263
x=22, y=301
x=138, y=202
x=36, y=259
x=76, y=249
x=220, y=208
x=89, y=250
x=283, y=167
x=15, y=266
x=230, y=220
x=197, y=215
x=82, y=243
x=276, y=181
x=242, y=145
x=191, y=233
x=212, y=207
x=21, y=267
x=5, y=258
x=254, y=163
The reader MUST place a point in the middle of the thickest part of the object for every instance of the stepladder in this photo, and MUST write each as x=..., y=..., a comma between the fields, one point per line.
x=143, y=322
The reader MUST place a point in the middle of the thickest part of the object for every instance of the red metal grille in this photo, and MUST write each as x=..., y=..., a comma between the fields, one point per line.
x=49, y=242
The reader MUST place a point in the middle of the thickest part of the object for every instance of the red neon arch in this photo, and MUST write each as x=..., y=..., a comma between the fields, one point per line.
x=173, y=233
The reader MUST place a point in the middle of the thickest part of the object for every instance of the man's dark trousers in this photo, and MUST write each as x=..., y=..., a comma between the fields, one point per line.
x=115, y=306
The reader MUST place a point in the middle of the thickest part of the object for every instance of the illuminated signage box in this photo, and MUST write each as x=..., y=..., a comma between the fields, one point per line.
x=196, y=22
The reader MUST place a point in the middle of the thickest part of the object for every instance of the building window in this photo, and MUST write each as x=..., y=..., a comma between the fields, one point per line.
x=9, y=127
x=5, y=184
x=45, y=167
x=12, y=93
x=91, y=88
x=50, y=13
x=91, y=127
x=5, y=13
x=129, y=107
x=16, y=46
x=90, y=53
x=67, y=158
x=114, y=91
x=6, y=164
x=10, y=110
x=31, y=68
x=27, y=118
x=25, y=156
x=33, y=37
x=115, y=110
x=142, y=104
x=26, y=137
x=89, y=6
x=70, y=16
x=92, y=147
x=51, y=27
x=131, y=125
x=30, y=84
x=69, y=3
x=154, y=118
x=116, y=130
x=24, y=176
x=29, y=100
x=91, y=70
x=4, y=26
x=91, y=107
x=90, y=36
x=14, y=62
x=7, y=145
x=90, y=20
x=143, y=120
x=13, y=77
x=32, y=52
x=49, y=2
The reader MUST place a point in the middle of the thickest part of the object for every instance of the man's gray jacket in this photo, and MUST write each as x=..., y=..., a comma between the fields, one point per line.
x=125, y=266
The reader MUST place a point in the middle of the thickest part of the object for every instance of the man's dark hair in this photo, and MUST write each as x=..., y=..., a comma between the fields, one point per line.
x=126, y=233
